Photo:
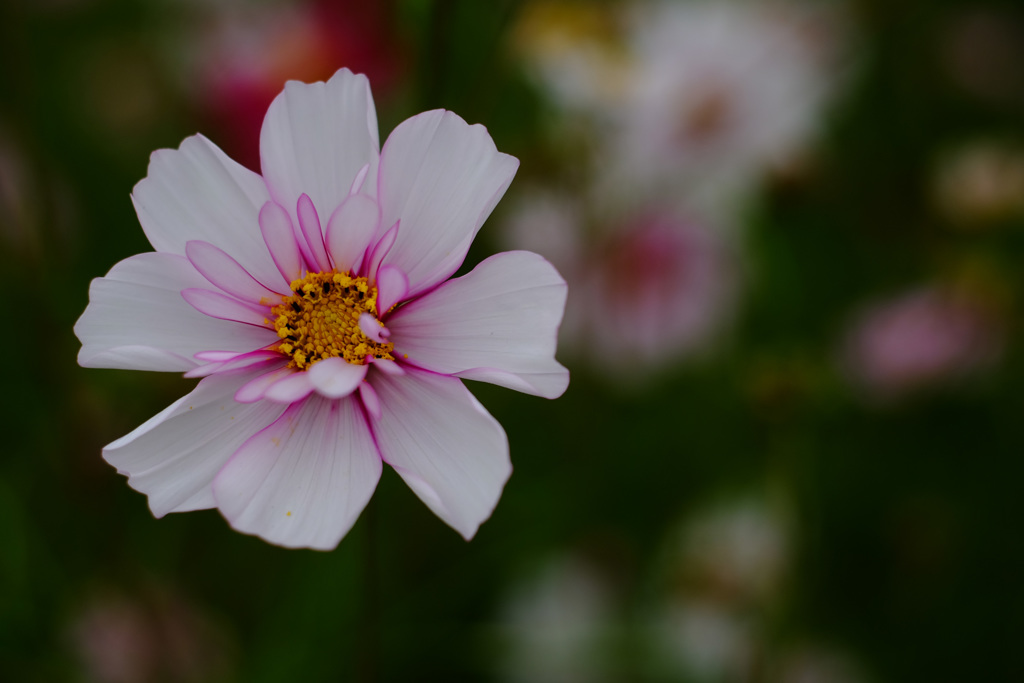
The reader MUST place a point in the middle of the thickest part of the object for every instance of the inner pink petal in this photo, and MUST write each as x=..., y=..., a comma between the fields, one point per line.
x=217, y=305
x=375, y=255
x=350, y=229
x=226, y=273
x=242, y=360
x=392, y=287
x=290, y=389
x=255, y=389
x=276, y=227
x=309, y=224
x=335, y=377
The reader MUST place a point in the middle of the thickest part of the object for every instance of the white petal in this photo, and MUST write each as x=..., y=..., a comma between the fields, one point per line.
x=350, y=230
x=335, y=377
x=498, y=324
x=174, y=456
x=316, y=138
x=137, y=320
x=443, y=443
x=302, y=481
x=196, y=192
x=441, y=177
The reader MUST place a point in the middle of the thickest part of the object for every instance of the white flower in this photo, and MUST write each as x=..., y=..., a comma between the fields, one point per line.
x=720, y=93
x=315, y=301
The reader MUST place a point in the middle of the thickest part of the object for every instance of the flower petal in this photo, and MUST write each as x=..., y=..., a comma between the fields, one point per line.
x=173, y=456
x=392, y=288
x=316, y=138
x=242, y=360
x=197, y=192
x=350, y=229
x=290, y=389
x=444, y=444
x=302, y=481
x=224, y=307
x=499, y=324
x=309, y=225
x=441, y=178
x=137, y=320
x=226, y=273
x=335, y=377
x=256, y=388
x=276, y=228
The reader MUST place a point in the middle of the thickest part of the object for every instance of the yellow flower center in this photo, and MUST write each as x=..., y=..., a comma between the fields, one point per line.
x=321, y=320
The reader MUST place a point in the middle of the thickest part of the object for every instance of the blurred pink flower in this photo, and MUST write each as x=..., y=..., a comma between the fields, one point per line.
x=277, y=290
x=919, y=339
x=649, y=290
x=243, y=55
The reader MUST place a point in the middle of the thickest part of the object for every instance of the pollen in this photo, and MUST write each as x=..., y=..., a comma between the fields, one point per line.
x=320, y=320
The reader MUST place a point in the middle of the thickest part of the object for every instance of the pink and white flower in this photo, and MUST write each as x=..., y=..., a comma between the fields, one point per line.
x=315, y=302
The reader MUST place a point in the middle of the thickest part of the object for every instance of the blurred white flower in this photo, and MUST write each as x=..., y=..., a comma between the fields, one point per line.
x=554, y=626
x=738, y=550
x=704, y=641
x=720, y=93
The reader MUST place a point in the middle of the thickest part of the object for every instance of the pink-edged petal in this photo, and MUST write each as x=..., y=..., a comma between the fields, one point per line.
x=174, y=456
x=256, y=388
x=350, y=229
x=226, y=273
x=389, y=367
x=392, y=287
x=279, y=237
x=290, y=389
x=216, y=356
x=335, y=377
x=217, y=305
x=137, y=320
x=441, y=177
x=372, y=328
x=302, y=481
x=499, y=324
x=309, y=223
x=444, y=444
x=196, y=192
x=380, y=249
x=370, y=400
x=316, y=138
x=242, y=360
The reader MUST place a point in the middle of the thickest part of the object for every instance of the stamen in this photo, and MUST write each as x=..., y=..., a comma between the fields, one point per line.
x=322, y=320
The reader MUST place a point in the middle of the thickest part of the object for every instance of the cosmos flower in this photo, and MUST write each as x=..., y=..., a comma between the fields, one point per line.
x=315, y=302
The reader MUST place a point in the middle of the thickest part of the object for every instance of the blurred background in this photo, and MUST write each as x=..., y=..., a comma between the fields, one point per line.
x=792, y=448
